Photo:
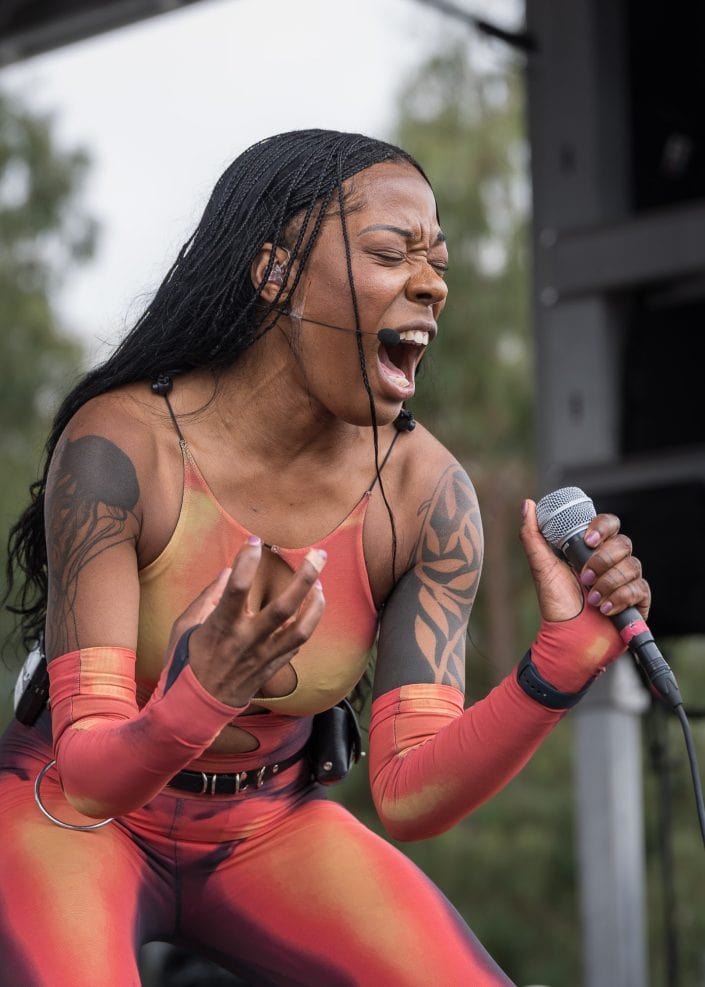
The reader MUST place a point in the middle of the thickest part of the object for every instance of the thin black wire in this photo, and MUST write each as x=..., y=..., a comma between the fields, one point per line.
x=662, y=766
x=521, y=40
x=693, y=761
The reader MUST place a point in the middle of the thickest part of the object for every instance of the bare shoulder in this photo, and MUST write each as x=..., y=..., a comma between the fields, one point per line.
x=439, y=497
x=120, y=450
x=119, y=417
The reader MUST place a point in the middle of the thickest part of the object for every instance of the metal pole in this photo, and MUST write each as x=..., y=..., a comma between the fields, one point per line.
x=610, y=829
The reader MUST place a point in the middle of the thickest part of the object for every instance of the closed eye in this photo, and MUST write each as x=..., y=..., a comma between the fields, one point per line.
x=390, y=257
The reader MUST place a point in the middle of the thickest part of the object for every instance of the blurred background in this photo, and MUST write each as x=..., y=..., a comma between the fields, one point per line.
x=566, y=146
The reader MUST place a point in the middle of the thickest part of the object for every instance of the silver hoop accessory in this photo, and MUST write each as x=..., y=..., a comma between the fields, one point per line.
x=58, y=822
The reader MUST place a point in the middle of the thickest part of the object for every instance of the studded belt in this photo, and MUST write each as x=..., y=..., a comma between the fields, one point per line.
x=223, y=783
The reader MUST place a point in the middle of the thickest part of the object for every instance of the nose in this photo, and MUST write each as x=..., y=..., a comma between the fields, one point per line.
x=426, y=286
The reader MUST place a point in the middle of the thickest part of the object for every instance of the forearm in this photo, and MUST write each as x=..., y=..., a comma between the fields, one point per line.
x=432, y=763
x=113, y=758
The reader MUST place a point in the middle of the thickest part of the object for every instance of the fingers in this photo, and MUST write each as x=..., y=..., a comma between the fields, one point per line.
x=286, y=605
x=233, y=601
x=559, y=595
x=612, y=575
x=297, y=631
x=602, y=527
x=236, y=650
x=283, y=645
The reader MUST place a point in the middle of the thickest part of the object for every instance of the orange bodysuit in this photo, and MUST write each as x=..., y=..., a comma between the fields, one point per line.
x=276, y=883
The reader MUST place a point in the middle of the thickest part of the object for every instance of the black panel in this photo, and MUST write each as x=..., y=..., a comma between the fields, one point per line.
x=667, y=91
x=29, y=27
x=663, y=373
x=667, y=526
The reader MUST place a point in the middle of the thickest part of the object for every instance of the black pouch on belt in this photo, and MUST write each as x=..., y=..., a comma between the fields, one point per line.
x=335, y=744
x=35, y=694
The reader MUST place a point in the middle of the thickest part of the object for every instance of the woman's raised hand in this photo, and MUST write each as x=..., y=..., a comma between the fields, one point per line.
x=568, y=652
x=235, y=651
x=611, y=577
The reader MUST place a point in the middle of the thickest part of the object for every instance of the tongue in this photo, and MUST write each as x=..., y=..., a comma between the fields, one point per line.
x=405, y=371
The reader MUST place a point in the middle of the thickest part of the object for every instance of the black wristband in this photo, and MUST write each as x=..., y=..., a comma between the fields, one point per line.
x=179, y=658
x=541, y=690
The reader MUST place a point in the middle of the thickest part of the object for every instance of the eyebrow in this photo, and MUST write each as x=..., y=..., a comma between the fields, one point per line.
x=407, y=234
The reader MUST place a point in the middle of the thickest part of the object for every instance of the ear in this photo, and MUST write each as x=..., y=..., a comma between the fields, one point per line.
x=277, y=277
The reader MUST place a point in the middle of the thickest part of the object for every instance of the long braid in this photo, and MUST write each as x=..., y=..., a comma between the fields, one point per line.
x=363, y=367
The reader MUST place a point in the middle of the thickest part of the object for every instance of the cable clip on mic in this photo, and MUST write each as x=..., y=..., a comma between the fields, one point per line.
x=405, y=421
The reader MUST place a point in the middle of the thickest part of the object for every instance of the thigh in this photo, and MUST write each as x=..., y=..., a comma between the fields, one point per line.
x=70, y=902
x=321, y=900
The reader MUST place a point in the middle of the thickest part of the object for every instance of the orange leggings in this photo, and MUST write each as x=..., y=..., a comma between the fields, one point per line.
x=309, y=897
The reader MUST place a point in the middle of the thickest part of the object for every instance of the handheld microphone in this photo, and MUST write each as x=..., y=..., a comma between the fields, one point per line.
x=563, y=517
x=388, y=337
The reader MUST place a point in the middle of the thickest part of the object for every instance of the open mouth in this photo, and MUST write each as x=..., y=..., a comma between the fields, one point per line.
x=398, y=363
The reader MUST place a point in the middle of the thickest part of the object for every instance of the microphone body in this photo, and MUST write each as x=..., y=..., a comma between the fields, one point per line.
x=563, y=518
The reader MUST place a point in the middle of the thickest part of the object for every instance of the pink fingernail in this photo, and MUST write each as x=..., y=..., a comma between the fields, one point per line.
x=524, y=508
x=588, y=577
x=592, y=538
x=594, y=598
x=606, y=607
x=254, y=540
x=317, y=557
x=319, y=585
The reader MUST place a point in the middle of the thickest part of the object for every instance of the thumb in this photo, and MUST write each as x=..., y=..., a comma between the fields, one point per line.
x=559, y=594
x=538, y=552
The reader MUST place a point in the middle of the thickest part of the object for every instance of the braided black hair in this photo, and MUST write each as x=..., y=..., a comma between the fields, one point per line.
x=206, y=312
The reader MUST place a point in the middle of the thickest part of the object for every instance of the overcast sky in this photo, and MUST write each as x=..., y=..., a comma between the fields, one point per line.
x=164, y=105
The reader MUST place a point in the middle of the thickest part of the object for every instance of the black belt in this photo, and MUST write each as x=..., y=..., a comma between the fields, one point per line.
x=207, y=783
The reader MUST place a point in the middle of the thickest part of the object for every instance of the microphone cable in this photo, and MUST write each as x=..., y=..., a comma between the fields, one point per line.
x=679, y=710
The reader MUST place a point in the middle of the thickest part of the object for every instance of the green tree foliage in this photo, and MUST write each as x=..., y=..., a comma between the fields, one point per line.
x=43, y=234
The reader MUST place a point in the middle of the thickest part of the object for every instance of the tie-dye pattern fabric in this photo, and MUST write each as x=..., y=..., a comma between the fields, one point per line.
x=278, y=885
x=206, y=540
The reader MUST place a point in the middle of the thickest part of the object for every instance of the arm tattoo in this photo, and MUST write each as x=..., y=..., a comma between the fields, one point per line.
x=95, y=492
x=425, y=620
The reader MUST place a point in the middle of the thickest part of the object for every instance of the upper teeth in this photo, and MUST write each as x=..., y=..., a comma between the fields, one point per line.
x=417, y=336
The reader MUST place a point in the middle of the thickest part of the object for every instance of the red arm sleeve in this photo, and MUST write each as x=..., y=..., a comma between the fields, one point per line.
x=432, y=763
x=113, y=758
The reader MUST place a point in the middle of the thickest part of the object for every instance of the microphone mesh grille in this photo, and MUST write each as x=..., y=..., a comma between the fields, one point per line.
x=562, y=513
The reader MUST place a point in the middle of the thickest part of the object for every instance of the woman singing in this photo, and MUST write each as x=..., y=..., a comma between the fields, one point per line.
x=235, y=507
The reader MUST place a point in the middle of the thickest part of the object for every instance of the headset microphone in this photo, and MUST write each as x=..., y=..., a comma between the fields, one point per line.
x=388, y=337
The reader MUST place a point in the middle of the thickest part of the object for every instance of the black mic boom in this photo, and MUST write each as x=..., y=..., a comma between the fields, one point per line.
x=388, y=337
x=563, y=517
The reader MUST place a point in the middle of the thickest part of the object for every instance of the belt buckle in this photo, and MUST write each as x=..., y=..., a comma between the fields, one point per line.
x=209, y=781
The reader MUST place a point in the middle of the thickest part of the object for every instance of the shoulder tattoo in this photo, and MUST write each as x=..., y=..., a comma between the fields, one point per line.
x=94, y=494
